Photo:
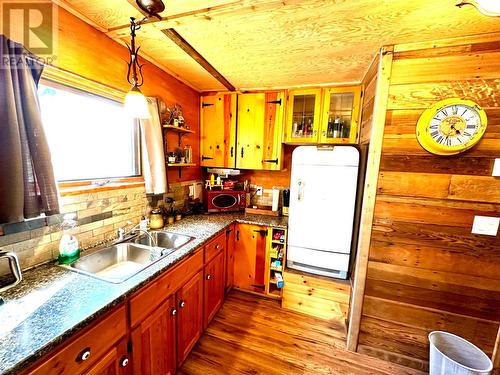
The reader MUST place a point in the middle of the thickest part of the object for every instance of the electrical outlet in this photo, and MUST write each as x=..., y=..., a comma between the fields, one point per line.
x=259, y=190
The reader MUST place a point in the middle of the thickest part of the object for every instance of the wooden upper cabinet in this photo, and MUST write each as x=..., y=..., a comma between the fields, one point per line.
x=153, y=341
x=303, y=116
x=218, y=130
x=260, y=119
x=214, y=286
x=189, y=316
x=251, y=120
x=250, y=271
x=341, y=114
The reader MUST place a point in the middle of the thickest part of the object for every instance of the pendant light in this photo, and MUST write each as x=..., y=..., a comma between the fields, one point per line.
x=136, y=104
x=487, y=7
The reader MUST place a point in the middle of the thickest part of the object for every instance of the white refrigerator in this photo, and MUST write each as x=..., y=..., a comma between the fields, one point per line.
x=322, y=206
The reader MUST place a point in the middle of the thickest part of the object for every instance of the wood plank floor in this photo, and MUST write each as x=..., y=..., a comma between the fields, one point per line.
x=253, y=335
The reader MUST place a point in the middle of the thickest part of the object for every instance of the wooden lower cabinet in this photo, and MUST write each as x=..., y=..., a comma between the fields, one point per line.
x=214, y=287
x=229, y=265
x=189, y=316
x=250, y=258
x=115, y=362
x=153, y=341
x=85, y=353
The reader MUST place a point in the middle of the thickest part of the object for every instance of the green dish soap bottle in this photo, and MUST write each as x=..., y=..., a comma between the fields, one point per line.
x=69, y=251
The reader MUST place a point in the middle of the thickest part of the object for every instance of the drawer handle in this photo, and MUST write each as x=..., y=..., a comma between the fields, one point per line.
x=182, y=304
x=217, y=247
x=84, y=355
x=173, y=312
x=124, y=362
x=209, y=277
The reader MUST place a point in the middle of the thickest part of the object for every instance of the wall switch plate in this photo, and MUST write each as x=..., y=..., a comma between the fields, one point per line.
x=259, y=190
x=485, y=225
x=496, y=168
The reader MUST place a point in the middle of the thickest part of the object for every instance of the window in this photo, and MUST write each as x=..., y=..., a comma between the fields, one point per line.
x=90, y=137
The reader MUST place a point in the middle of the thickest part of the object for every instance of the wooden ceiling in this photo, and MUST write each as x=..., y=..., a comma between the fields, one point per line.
x=281, y=43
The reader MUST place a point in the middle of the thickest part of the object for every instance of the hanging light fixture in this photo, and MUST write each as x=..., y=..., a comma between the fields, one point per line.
x=136, y=103
x=487, y=7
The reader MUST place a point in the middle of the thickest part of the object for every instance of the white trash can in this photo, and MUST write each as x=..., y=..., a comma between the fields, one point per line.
x=452, y=355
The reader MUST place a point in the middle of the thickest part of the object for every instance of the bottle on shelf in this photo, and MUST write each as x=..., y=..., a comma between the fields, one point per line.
x=336, y=127
x=329, y=129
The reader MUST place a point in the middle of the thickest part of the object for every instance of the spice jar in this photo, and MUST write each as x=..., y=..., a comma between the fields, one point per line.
x=156, y=219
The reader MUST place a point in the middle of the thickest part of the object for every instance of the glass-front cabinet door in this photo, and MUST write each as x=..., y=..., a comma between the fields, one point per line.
x=303, y=116
x=341, y=111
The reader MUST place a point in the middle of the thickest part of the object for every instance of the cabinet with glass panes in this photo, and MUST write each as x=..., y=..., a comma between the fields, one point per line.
x=303, y=116
x=329, y=115
x=340, y=114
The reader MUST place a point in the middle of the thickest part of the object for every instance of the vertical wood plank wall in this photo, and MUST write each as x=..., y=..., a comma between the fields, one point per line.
x=426, y=271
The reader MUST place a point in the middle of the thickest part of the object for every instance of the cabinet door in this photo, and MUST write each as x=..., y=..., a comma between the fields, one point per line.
x=273, y=131
x=190, y=316
x=153, y=341
x=230, y=237
x=214, y=287
x=260, y=127
x=341, y=113
x=250, y=271
x=251, y=111
x=303, y=116
x=218, y=130
x=115, y=362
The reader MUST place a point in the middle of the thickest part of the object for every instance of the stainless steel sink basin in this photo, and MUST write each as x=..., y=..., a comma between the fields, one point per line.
x=117, y=263
x=166, y=240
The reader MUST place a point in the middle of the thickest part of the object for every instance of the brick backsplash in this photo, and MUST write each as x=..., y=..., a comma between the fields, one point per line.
x=266, y=199
x=99, y=216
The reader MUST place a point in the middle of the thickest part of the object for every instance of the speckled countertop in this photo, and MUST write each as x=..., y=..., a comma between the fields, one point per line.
x=52, y=303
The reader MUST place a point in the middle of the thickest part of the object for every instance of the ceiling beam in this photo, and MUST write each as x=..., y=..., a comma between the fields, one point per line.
x=189, y=49
x=205, y=14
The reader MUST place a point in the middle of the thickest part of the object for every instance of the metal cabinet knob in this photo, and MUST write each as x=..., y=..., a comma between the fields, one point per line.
x=182, y=304
x=124, y=362
x=209, y=277
x=174, y=312
x=217, y=247
x=84, y=355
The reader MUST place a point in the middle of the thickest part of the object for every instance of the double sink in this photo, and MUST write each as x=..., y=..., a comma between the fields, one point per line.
x=123, y=260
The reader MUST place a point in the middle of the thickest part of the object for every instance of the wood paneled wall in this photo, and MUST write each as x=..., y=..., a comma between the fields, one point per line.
x=426, y=271
x=89, y=53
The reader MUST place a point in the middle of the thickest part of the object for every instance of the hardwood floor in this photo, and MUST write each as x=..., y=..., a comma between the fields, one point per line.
x=253, y=335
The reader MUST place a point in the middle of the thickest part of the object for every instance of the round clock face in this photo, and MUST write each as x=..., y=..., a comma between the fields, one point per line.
x=451, y=126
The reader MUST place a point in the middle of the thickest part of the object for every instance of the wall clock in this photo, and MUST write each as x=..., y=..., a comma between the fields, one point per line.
x=451, y=126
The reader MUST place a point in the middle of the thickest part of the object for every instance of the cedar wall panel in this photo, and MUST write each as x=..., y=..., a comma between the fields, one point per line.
x=89, y=53
x=426, y=271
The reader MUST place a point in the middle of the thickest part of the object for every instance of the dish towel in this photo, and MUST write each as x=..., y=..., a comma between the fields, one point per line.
x=153, y=155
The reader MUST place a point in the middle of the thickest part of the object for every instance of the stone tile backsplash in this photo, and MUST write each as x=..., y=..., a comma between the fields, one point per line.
x=99, y=216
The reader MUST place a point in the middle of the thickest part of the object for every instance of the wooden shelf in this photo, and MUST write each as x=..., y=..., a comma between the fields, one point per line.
x=181, y=165
x=278, y=242
x=177, y=129
x=280, y=269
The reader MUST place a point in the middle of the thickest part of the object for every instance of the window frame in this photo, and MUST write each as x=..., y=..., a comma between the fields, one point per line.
x=66, y=80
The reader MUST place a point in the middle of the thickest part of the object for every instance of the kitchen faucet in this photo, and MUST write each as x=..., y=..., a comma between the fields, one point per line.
x=122, y=233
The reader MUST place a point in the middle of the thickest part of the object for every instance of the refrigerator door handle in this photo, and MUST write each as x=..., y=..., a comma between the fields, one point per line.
x=300, y=190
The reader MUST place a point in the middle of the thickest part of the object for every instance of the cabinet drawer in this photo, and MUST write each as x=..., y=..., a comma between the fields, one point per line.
x=148, y=299
x=214, y=247
x=83, y=352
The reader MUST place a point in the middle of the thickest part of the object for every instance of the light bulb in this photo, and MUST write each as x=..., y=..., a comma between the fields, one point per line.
x=136, y=104
x=489, y=7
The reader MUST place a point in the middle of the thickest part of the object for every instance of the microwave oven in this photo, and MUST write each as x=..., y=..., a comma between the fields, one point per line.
x=225, y=200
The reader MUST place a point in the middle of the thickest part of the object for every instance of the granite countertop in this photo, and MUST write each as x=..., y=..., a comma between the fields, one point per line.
x=52, y=303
